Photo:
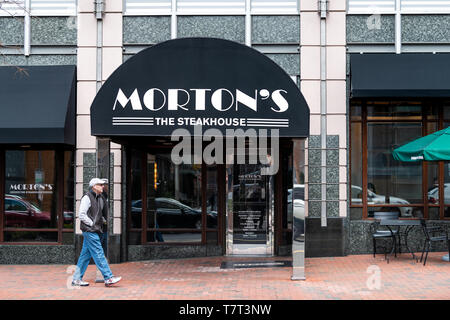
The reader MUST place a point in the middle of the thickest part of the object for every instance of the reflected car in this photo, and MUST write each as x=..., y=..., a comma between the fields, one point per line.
x=299, y=203
x=171, y=213
x=374, y=198
x=298, y=214
x=24, y=214
x=433, y=194
x=68, y=217
x=21, y=213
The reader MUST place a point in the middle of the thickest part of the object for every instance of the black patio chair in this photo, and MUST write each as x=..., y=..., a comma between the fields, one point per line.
x=384, y=234
x=432, y=234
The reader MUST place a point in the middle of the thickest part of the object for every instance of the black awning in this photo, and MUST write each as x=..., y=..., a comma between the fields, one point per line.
x=408, y=75
x=192, y=82
x=37, y=104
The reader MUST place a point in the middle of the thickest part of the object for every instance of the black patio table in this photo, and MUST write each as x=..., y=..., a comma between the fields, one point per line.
x=409, y=224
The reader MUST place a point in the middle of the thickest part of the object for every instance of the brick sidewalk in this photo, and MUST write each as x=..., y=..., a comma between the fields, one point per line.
x=202, y=278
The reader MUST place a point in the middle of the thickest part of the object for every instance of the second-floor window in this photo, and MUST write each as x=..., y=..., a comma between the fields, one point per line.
x=164, y=7
x=38, y=7
x=406, y=6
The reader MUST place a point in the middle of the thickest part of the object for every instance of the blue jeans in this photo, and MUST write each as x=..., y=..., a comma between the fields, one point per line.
x=92, y=248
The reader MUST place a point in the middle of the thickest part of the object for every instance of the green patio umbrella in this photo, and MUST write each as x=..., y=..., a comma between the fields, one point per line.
x=433, y=147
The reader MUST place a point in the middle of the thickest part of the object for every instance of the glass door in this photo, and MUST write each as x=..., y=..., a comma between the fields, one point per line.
x=250, y=210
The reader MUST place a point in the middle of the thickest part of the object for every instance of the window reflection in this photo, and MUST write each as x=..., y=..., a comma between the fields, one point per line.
x=173, y=200
x=356, y=161
x=69, y=189
x=446, y=180
x=174, y=237
x=411, y=188
x=177, y=194
x=32, y=195
x=30, y=236
x=211, y=197
x=30, y=189
x=391, y=181
x=136, y=191
x=382, y=110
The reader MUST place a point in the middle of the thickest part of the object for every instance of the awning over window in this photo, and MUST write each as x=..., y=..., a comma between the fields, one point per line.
x=37, y=104
x=411, y=75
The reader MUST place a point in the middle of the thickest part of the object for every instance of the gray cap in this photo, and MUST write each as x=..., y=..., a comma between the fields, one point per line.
x=105, y=181
x=95, y=181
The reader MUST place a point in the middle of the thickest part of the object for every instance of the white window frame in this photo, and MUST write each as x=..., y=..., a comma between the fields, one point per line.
x=244, y=11
x=40, y=13
x=396, y=10
x=10, y=11
x=68, y=12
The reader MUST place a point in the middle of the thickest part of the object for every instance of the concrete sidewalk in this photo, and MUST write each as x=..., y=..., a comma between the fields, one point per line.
x=360, y=277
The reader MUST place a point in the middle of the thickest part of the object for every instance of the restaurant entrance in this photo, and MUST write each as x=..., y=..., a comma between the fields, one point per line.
x=231, y=206
x=175, y=107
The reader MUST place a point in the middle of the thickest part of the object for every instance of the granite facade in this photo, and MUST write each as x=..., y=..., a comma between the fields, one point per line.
x=224, y=27
x=38, y=254
x=276, y=29
x=38, y=59
x=11, y=31
x=54, y=31
x=142, y=252
x=287, y=61
x=370, y=29
x=315, y=176
x=145, y=30
x=13, y=60
x=425, y=28
x=360, y=239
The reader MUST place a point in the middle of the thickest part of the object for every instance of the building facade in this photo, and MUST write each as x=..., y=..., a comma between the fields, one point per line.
x=347, y=173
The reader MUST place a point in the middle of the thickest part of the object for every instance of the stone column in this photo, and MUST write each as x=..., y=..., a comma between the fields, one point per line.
x=104, y=161
x=111, y=59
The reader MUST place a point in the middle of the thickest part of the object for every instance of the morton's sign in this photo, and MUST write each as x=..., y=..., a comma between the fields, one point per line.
x=198, y=81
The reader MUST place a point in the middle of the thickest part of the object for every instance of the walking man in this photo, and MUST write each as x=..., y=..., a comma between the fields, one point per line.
x=92, y=210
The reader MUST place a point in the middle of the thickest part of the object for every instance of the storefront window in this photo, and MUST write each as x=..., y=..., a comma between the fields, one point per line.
x=174, y=208
x=356, y=163
x=30, y=194
x=212, y=203
x=410, y=188
x=389, y=110
x=391, y=181
x=212, y=200
x=69, y=190
x=173, y=199
x=446, y=172
x=34, y=200
x=135, y=218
